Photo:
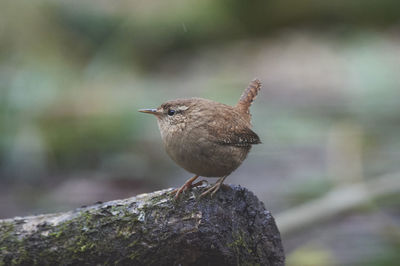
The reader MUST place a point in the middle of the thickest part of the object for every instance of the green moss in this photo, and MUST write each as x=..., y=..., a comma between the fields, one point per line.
x=133, y=256
x=23, y=255
x=87, y=246
x=83, y=242
x=11, y=244
x=239, y=245
x=6, y=230
x=57, y=234
x=83, y=236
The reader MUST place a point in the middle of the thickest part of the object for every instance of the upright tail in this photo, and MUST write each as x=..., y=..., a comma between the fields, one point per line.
x=247, y=98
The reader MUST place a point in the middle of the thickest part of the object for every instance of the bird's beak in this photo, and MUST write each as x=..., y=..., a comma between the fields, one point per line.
x=150, y=111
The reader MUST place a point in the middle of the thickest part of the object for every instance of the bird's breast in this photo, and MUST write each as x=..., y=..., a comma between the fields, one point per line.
x=196, y=154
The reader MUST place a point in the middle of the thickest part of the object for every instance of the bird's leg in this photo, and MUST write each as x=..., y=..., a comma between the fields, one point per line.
x=200, y=183
x=214, y=188
x=184, y=187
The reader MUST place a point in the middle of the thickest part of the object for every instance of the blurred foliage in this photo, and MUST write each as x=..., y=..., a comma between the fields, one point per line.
x=73, y=74
x=81, y=142
x=390, y=257
x=143, y=34
x=308, y=190
x=311, y=255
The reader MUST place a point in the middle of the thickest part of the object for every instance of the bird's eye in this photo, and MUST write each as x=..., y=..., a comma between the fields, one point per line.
x=171, y=112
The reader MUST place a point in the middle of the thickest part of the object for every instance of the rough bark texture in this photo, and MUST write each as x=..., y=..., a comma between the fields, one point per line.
x=233, y=228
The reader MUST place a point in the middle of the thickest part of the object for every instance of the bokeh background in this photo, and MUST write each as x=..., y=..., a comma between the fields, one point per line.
x=74, y=73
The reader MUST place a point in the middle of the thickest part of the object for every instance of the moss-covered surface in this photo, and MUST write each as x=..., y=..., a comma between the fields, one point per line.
x=151, y=229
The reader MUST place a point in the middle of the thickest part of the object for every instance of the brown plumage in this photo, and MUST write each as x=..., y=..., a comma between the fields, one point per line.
x=247, y=98
x=205, y=137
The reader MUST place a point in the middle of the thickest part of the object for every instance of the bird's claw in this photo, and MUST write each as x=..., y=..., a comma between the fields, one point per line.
x=187, y=186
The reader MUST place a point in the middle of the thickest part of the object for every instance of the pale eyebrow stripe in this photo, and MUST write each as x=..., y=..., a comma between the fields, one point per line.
x=183, y=107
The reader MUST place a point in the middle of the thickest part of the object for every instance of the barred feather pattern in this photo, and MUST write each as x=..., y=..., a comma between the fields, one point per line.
x=247, y=98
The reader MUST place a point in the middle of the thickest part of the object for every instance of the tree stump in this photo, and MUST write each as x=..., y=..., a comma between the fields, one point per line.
x=232, y=228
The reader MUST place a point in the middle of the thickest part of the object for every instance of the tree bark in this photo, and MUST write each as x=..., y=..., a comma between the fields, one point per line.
x=232, y=228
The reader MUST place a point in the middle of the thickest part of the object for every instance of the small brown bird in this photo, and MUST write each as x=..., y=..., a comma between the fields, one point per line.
x=207, y=138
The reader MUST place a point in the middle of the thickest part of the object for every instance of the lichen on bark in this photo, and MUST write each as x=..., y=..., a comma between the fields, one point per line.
x=232, y=228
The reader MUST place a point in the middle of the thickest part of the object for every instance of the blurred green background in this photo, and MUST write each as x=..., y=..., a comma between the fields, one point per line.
x=74, y=73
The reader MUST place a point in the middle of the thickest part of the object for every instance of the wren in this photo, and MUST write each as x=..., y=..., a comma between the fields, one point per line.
x=207, y=138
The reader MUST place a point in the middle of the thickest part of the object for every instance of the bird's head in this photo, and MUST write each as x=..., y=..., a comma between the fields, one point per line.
x=173, y=115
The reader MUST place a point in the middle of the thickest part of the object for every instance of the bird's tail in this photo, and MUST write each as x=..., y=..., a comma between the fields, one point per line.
x=248, y=96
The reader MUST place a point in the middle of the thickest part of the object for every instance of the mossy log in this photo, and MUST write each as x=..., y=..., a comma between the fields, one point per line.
x=232, y=228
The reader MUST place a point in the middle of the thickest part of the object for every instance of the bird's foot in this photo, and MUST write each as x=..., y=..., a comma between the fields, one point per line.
x=214, y=188
x=197, y=184
x=187, y=186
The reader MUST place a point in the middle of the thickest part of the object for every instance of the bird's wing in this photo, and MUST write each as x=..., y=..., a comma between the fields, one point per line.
x=236, y=132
